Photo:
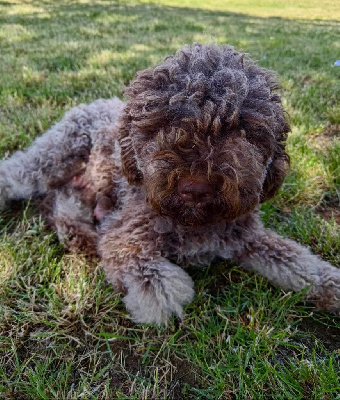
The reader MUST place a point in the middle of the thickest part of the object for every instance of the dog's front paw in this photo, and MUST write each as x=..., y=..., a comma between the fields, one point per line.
x=156, y=292
x=326, y=294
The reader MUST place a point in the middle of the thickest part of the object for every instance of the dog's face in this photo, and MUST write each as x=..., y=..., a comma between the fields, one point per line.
x=205, y=135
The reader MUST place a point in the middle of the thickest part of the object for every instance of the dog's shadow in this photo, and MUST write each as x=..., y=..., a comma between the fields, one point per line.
x=10, y=219
x=19, y=213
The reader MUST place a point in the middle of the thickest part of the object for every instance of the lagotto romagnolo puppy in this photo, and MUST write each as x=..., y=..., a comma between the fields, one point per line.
x=171, y=178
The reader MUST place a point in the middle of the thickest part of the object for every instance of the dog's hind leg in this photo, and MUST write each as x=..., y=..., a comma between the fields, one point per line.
x=58, y=155
x=72, y=219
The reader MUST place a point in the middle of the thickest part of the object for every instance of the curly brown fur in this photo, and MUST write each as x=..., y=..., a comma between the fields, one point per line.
x=174, y=177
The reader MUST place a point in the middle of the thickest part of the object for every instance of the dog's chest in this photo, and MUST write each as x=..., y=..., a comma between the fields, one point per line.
x=195, y=246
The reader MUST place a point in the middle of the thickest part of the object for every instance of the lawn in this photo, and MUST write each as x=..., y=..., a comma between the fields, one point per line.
x=64, y=332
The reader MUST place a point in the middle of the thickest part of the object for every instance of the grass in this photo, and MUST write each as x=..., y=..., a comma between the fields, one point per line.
x=64, y=333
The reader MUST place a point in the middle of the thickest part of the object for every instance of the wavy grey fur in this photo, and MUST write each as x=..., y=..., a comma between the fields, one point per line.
x=76, y=168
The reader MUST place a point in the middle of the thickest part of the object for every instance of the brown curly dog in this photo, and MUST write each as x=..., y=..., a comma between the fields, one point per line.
x=173, y=177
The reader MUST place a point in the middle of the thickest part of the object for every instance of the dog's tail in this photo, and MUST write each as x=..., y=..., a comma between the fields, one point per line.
x=58, y=155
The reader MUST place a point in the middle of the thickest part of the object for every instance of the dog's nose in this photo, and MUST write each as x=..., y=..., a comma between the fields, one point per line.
x=195, y=189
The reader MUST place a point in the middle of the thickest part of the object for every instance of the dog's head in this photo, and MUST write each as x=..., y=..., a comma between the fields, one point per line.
x=204, y=132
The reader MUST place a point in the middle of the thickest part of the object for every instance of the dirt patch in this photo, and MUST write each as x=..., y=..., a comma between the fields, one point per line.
x=323, y=140
x=329, y=208
x=307, y=80
x=329, y=336
x=184, y=374
x=308, y=331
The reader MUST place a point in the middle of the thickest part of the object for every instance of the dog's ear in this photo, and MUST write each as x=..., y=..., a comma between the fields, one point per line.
x=276, y=172
x=129, y=162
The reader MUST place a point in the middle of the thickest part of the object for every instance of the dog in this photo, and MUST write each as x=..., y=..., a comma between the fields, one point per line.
x=172, y=178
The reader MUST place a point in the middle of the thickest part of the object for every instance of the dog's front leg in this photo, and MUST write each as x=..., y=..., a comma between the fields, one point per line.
x=292, y=266
x=154, y=287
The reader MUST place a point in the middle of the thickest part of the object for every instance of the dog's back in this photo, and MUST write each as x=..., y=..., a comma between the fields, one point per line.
x=71, y=168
